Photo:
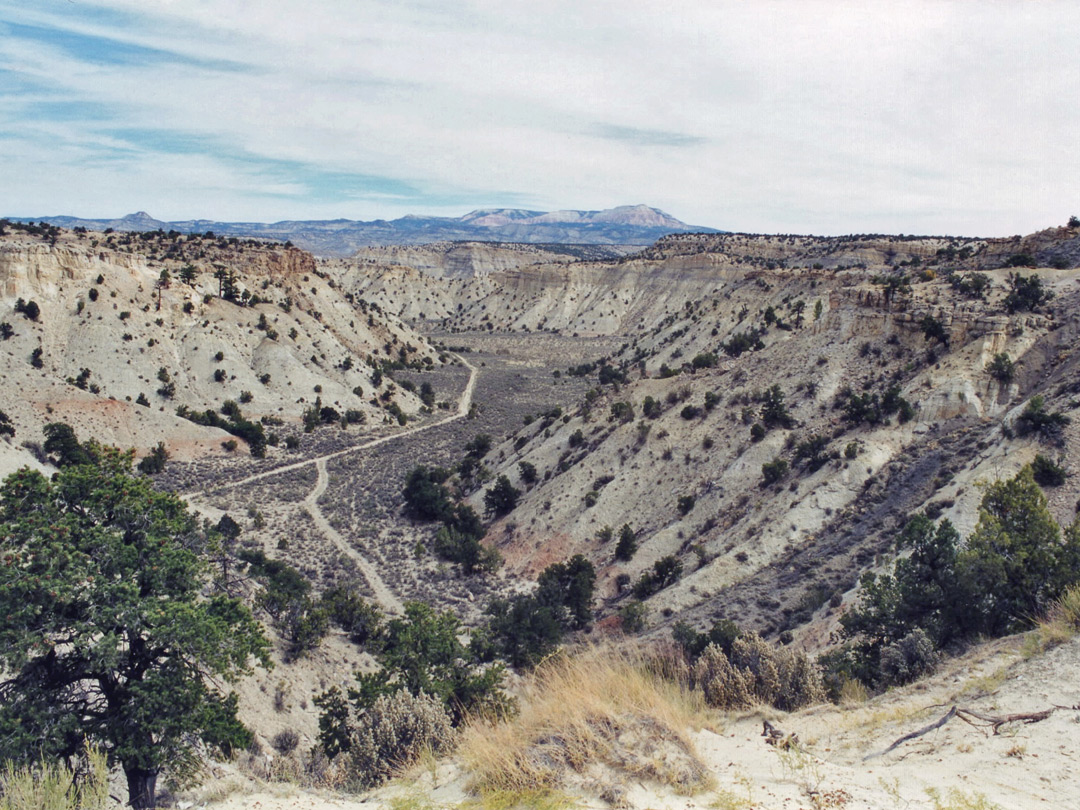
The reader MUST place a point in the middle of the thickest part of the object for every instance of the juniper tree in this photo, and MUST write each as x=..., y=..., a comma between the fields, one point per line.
x=110, y=634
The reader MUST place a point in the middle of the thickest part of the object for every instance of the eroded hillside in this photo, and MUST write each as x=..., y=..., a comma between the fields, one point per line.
x=879, y=351
x=128, y=328
x=724, y=425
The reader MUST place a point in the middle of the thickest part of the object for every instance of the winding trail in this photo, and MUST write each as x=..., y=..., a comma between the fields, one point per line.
x=463, y=410
x=385, y=597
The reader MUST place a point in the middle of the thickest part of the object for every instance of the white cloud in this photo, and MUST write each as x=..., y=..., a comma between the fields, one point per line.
x=808, y=116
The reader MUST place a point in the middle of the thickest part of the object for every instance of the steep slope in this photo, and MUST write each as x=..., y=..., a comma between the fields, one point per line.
x=638, y=292
x=116, y=318
x=834, y=320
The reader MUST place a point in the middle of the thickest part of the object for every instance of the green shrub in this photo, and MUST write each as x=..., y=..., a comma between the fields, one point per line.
x=1020, y=260
x=704, y=360
x=1012, y=568
x=740, y=342
x=651, y=408
x=869, y=407
x=426, y=497
x=478, y=447
x=685, y=504
x=28, y=309
x=527, y=471
x=813, y=451
x=399, y=415
x=63, y=446
x=421, y=652
x=773, y=471
x=1026, y=293
x=973, y=285
x=154, y=462
x=568, y=589
x=633, y=616
x=690, y=412
x=627, y=545
x=723, y=634
x=609, y=375
x=774, y=412
x=933, y=329
x=236, y=424
x=665, y=571
x=462, y=546
x=360, y=620
x=1046, y=472
x=1036, y=419
x=622, y=412
x=1002, y=368
x=908, y=659
x=392, y=734
x=521, y=630
x=502, y=497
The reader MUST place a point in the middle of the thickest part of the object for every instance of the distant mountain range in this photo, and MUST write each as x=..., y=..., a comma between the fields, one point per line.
x=623, y=225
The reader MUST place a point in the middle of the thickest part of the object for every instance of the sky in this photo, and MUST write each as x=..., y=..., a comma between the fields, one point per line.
x=769, y=117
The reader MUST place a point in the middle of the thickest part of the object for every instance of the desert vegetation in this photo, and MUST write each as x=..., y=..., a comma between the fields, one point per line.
x=829, y=476
x=1013, y=567
x=102, y=598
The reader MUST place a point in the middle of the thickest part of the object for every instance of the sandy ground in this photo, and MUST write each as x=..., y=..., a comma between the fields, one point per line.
x=955, y=766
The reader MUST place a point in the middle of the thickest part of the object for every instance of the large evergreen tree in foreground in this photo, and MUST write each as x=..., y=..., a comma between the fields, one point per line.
x=110, y=633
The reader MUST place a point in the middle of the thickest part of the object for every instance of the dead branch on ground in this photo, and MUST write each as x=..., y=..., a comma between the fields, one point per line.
x=977, y=719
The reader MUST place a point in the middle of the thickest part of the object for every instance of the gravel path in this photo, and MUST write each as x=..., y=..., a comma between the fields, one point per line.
x=386, y=598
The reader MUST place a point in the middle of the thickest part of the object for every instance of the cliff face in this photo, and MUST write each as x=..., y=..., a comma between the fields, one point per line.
x=457, y=259
x=29, y=267
x=638, y=292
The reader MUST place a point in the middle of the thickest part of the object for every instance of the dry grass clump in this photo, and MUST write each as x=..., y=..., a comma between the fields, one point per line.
x=54, y=786
x=757, y=672
x=601, y=706
x=1062, y=621
x=500, y=800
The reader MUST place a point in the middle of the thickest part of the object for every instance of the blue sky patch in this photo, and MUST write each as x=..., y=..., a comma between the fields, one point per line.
x=109, y=51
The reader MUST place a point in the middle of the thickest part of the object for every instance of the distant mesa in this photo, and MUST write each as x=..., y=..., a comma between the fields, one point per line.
x=622, y=225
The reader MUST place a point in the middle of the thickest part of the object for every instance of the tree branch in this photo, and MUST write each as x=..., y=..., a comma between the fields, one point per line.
x=976, y=719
